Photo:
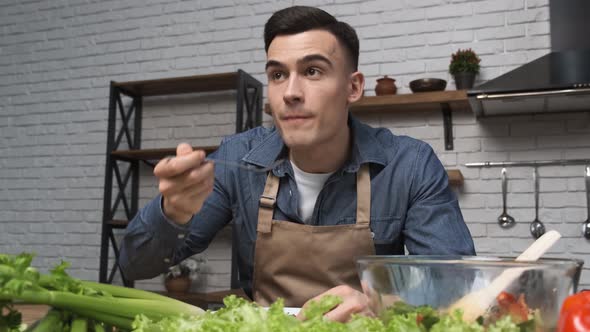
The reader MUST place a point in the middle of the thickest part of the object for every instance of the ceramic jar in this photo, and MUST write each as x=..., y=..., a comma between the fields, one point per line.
x=385, y=86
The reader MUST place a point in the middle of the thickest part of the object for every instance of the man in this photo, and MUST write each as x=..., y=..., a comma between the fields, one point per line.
x=301, y=224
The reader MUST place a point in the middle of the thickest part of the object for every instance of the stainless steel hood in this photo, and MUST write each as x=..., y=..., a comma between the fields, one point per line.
x=556, y=82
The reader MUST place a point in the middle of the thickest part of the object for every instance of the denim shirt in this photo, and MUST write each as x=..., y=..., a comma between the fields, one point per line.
x=411, y=203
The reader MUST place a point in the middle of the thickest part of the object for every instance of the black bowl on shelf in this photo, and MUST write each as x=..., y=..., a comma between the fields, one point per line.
x=428, y=84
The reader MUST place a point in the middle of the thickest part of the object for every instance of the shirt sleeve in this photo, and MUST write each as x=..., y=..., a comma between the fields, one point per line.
x=152, y=243
x=434, y=224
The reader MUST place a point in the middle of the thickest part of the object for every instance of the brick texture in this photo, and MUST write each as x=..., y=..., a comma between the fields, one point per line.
x=57, y=59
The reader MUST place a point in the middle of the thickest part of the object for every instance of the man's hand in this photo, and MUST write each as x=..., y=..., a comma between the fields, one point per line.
x=185, y=181
x=353, y=302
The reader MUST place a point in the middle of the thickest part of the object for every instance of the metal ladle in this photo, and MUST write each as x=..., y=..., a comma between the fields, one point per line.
x=586, y=225
x=505, y=220
x=537, y=228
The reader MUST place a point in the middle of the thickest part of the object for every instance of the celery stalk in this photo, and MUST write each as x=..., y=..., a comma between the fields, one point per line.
x=118, y=321
x=51, y=322
x=113, y=306
x=79, y=324
x=133, y=293
x=98, y=327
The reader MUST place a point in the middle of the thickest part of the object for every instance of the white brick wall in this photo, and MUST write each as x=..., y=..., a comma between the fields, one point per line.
x=57, y=58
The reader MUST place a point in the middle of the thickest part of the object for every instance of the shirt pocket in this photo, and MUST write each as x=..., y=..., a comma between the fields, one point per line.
x=387, y=235
x=386, y=232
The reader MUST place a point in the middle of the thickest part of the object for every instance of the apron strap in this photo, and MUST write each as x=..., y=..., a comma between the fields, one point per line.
x=363, y=195
x=268, y=200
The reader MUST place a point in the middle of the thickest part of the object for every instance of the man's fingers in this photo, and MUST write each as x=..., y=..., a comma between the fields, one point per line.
x=342, y=313
x=192, y=181
x=353, y=302
x=183, y=149
x=190, y=201
x=171, y=167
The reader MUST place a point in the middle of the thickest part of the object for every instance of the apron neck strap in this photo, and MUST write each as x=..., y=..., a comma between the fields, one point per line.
x=363, y=195
x=268, y=200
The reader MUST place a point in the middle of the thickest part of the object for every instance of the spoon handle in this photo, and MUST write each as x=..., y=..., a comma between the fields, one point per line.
x=539, y=247
x=504, y=188
x=536, y=184
x=587, y=177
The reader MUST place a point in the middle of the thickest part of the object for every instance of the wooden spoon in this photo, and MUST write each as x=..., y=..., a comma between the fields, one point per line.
x=476, y=303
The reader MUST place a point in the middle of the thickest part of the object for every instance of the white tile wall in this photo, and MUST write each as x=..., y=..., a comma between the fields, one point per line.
x=58, y=57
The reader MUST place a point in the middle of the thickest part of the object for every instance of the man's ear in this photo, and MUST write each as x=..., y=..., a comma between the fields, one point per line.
x=357, y=86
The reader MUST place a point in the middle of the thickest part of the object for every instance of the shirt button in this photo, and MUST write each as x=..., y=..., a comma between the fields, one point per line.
x=181, y=236
x=166, y=260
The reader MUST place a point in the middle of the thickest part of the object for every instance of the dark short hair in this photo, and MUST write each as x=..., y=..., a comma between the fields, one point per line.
x=299, y=19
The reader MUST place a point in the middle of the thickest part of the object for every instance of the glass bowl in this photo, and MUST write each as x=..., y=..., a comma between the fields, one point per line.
x=440, y=281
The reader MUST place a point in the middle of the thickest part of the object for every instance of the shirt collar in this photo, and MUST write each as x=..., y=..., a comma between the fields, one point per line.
x=365, y=149
x=267, y=151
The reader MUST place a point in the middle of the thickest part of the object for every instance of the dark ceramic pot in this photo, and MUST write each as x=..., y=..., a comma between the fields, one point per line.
x=464, y=80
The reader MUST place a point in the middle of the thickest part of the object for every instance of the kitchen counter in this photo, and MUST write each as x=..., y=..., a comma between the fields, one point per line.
x=32, y=312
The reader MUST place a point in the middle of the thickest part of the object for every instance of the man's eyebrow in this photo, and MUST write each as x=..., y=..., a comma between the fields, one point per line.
x=273, y=63
x=315, y=57
x=305, y=59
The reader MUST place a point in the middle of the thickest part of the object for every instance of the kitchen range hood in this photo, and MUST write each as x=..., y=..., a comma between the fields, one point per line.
x=556, y=82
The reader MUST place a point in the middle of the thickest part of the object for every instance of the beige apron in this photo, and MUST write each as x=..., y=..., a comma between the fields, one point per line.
x=298, y=262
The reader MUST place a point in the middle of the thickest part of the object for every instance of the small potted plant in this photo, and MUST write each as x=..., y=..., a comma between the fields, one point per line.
x=179, y=277
x=464, y=66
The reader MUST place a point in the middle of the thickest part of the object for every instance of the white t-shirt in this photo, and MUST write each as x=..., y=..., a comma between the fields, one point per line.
x=309, y=186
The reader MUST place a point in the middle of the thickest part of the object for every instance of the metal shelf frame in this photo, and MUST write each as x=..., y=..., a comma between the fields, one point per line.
x=122, y=174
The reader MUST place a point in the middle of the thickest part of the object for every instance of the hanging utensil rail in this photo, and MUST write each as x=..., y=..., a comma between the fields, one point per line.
x=530, y=163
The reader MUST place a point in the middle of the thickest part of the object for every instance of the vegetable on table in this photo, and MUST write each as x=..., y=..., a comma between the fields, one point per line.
x=113, y=305
x=575, y=313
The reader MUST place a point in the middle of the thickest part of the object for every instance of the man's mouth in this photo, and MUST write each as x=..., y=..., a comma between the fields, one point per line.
x=296, y=119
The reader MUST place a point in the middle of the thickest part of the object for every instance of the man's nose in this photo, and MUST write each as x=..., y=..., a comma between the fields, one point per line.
x=293, y=92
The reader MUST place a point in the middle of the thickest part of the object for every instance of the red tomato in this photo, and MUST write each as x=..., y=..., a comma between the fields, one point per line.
x=575, y=320
x=516, y=308
x=505, y=299
x=575, y=313
x=575, y=300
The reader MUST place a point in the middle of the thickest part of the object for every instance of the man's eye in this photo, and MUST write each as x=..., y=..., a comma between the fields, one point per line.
x=312, y=72
x=277, y=75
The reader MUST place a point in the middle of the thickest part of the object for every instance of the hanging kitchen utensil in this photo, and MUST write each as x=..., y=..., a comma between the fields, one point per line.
x=505, y=220
x=477, y=303
x=586, y=225
x=537, y=228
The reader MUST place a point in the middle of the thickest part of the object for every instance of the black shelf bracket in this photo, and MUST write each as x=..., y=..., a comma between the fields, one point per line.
x=448, y=125
x=121, y=177
x=249, y=102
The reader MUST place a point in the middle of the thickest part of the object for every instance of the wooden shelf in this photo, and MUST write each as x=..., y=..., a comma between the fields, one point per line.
x=445, y=101
x=179, y=85
x=423, y=101
x=154, y=154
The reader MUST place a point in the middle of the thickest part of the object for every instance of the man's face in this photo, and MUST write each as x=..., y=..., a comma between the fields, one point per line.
x=309, y=88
